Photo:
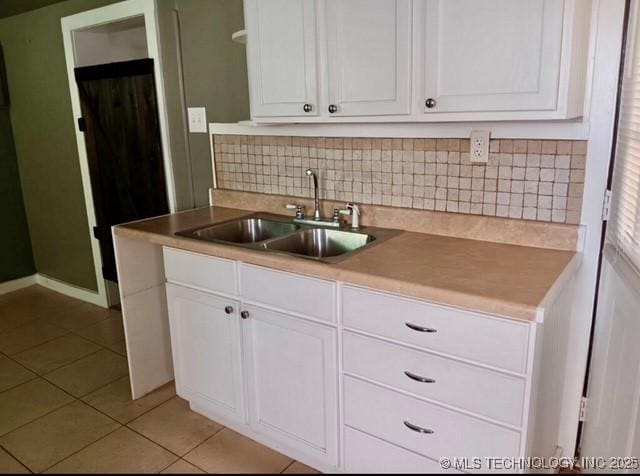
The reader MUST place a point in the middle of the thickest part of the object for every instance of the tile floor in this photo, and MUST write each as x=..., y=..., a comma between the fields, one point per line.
x=65, y=405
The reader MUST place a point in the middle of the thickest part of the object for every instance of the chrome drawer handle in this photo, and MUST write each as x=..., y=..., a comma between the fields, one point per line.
x=418, y=429
x=420, y=328
x=417, y=378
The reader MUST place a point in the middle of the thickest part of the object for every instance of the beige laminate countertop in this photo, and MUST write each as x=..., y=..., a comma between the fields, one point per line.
x=506, y=280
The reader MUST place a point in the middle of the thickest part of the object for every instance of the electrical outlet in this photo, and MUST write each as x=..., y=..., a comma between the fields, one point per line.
x=197, y=119
x=479, y=151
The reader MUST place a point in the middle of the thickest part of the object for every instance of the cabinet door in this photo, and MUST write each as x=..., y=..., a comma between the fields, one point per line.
x=488, y=55
x=205, y=340
x=292, y=381
x=282, y=57
x=369, y=56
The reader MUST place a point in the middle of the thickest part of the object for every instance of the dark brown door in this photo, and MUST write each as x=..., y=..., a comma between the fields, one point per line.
x=124, y=149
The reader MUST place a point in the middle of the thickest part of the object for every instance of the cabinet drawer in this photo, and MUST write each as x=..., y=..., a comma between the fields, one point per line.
x=465, y=386
x=206, y=272
x=366, y=454
x=291, y=292
x=386, y=414
x=498, y=342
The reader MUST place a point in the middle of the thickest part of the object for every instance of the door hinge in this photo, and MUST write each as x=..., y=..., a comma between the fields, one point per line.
x=82, y=124
x=583, y=408
x=606, y=205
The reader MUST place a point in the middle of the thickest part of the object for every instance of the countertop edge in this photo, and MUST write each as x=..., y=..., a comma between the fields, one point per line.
x=471, y=302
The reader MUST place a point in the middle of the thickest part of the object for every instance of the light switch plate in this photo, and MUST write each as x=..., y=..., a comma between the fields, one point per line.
x=479, y=147
x=197, y=119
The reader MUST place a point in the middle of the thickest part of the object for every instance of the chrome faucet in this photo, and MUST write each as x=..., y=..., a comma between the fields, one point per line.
x=312, y=174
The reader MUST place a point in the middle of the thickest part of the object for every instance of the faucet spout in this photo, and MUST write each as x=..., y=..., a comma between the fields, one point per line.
x=312, y=174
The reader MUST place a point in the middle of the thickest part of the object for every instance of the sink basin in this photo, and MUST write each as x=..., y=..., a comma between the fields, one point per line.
x=278, y=234
x=320, y=243
x=244, y=230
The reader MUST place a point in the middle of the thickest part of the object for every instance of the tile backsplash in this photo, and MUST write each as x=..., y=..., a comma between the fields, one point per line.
x=539, y=180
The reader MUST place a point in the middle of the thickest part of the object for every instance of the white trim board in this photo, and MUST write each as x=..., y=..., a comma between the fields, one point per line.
x=100, y=16
x=14, y=285
x=70, y=290
x=53, y=284
x=567, y=130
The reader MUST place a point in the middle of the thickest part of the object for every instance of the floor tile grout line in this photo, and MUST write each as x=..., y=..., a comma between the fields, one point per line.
x=83, y=448
x=164, y=447
x=40, y=343
x=288, y=466
x=127, y=423
x=67, y=331
x=202, y=443
x=35, y=376
x=15, y=457
x=38, y=418
x=63, y=365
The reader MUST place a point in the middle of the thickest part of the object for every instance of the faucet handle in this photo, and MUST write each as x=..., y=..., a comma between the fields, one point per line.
x=298, y=208
x=354, y=211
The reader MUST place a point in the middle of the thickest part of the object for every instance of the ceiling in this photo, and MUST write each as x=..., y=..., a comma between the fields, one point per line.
x=13, y=7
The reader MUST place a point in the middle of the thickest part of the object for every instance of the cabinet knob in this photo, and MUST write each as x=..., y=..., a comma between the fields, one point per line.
x=244, y=314
x=228, y=309
x=430, y=103
x=307, y=108
x=333, y=108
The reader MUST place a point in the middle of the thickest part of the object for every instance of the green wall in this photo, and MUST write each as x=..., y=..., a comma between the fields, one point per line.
x=45, y=141
x=43, y=124
x=218, y=83
x=214, y=69
x=16, y=260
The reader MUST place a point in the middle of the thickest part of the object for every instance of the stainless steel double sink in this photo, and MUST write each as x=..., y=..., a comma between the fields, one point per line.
x=279, y=234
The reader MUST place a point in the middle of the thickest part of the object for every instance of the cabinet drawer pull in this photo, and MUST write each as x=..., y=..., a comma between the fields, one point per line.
x=418, y=429
x=417, y=378
x=420, y=328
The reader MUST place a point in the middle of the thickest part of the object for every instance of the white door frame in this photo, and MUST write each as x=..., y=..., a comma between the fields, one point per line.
x=99, y=16
x=606, y=37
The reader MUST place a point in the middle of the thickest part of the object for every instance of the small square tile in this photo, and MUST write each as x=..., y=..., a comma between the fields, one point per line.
x=89, y=373
x=27, y=402
x=47, y=440
x=174, y=426
x=122, y=451
x=230, y=452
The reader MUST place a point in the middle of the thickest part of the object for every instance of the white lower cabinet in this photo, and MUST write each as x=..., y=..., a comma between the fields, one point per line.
x=205, y=339
x=420, y=381
x=368, y=454
x=292, y=381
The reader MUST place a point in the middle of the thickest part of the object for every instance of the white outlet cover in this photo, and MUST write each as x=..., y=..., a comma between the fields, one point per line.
x=197, y=119
x=479, y=147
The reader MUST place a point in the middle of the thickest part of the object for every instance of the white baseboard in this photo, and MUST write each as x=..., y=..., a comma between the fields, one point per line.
x=16, y=284
x=70, y=290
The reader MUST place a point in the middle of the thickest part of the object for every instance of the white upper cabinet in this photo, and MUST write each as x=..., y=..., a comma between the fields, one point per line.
x=417, y=60
x=282, y=57
x=488, y=55
x=368, y=57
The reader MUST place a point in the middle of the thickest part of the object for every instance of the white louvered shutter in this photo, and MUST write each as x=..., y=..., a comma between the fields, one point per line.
x=623, y=231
